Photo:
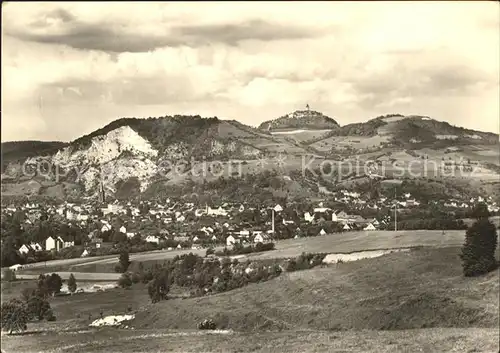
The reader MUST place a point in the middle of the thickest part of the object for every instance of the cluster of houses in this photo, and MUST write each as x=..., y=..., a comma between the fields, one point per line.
x=51, y=244
x=220, y=224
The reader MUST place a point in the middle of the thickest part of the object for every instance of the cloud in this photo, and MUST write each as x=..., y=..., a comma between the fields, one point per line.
x=61, y=27
x=91, y=64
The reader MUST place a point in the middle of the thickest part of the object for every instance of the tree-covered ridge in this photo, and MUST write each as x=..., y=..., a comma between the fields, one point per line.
x=305, y=119
x=18, y=151
x=160, y=132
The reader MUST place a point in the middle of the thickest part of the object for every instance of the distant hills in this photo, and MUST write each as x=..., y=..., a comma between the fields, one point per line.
x=300, y=119
x=146, y=149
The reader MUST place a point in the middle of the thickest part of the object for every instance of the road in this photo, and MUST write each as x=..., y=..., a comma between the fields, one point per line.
x=81, y=276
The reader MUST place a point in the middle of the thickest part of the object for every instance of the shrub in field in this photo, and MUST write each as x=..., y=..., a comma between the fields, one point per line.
x=49, y=285
x=291, y=265
x=123, y=262
x=125, y=281
x=264, y=247
x=239, y=249
x=159, y=287
x=207, y=324
x=136, y=277
x=9, y=275
x=72, y=284
x=478, y=251
x=39, y=309
x=147, y=276
x=14, y=316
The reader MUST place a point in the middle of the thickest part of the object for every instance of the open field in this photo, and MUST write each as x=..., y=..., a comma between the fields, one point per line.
x=420, y=289
x=416, y=301
x=442, y=340
x=332, y=243
x=363, y=240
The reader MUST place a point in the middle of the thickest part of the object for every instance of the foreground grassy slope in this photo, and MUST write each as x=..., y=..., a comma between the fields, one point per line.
x=423, y=341
x=421, y=289
x=402, y=302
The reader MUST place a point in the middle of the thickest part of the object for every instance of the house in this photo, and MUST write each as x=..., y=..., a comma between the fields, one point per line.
x=16, y=267
x=36, y=247
x=66, y=242
x=207, y=230
x=152, y=239
x=259, y=238
x=278, y=208
x=342, y=215
x=181, y=218
x=309, y=217
x=54, y=243
x=230, y=240
x=369, y=227
x=199, y=212
x=216, y=212
x=130, y=235
x=167, y=220
x=195, y=239
x=346, y=227
x=335, y=217
x=375, y=222
x=97, y=242
x=85, y=253
x=322, y=232
x=123, y=230
x=105, y=227
x=24, y=249
x=321, y=209
x=412, y=202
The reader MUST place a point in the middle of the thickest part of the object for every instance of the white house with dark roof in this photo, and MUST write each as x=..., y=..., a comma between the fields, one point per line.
x=52, y=243
x=309, y=217
x=370, y=226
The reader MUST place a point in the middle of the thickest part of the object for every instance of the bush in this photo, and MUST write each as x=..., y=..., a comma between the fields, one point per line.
x=207, y=324
x=124, y=262
x=239, y=249
x=210, y=251
x=49, y=285
x=136, y=277
x=72, y=284
x=291, y=265
x=125, y=281
x=158, y=288
x=14, y=316
x=38, y=308
x=478, y=251
x=264, y=247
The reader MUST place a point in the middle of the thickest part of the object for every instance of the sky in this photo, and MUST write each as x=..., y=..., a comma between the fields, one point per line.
x=71, y=68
